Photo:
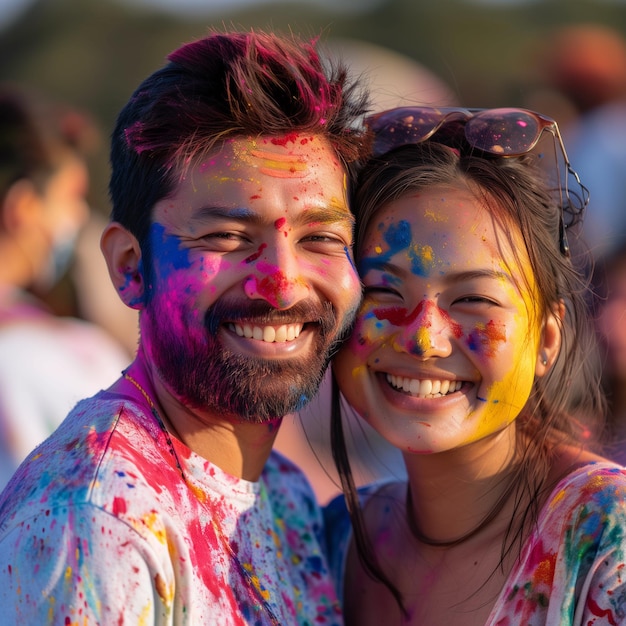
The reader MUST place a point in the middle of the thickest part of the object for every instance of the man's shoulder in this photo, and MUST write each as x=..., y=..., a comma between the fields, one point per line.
x=288, y=485
x=66, y=469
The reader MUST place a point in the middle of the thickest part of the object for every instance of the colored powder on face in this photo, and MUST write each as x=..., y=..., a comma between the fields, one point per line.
x=168, y=248
x=283, y=141
x=276, y=289
x=280, y=165
x=398, y=316
x=256, y=255
x=422, y=341
x=398, y=237
x=486, y=337
x=279, y=223
x=422, y=260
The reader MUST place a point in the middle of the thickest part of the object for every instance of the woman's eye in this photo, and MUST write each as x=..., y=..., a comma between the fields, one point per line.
x=475, y=299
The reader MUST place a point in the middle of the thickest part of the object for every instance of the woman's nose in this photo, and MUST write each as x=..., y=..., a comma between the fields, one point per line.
x=426, y=331
x=278, y=277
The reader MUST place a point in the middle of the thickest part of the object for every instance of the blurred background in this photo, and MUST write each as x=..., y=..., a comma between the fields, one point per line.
x=565, y=58
x=93, y=53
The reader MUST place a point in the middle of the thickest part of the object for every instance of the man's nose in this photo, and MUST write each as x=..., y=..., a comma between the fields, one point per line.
x=278, y=277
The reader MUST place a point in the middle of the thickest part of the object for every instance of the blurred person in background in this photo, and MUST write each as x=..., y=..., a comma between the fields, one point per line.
x=47, y=362
x=586, y=64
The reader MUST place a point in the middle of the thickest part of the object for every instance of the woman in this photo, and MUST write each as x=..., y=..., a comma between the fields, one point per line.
x=470, y=355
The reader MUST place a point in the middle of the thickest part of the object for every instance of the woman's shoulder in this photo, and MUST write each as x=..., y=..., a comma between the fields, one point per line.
x=338, y=528
x=591, y=482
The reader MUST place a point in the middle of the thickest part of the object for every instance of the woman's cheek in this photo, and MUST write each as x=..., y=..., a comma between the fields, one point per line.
x=368, y=331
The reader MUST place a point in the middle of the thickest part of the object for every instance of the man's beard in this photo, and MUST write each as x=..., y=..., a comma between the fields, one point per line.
x=206, y=375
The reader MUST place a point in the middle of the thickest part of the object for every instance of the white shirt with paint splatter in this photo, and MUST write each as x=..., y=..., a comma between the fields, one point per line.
x=99, y=527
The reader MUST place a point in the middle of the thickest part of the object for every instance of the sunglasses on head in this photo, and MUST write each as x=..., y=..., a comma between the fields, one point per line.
x=503, y=132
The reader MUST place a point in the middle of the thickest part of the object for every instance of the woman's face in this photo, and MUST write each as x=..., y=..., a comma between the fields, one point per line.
x=446, y=343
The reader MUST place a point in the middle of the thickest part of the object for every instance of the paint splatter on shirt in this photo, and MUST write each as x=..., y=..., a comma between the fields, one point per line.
x=99, y=527
x=572, y=568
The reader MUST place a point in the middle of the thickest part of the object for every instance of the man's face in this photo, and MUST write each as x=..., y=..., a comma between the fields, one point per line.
x=252, y=281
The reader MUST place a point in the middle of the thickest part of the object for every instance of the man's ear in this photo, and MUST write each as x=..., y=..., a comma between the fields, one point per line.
x=550, y=343
x=122, y=253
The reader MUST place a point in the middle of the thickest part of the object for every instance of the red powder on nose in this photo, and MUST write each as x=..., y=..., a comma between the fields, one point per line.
x=271, y=287
x=399, y=316
x=279, y=223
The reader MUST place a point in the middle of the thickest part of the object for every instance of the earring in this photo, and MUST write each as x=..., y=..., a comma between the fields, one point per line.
x=544, y=358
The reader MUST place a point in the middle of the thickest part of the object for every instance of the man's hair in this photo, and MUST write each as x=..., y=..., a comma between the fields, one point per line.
x=223, y=86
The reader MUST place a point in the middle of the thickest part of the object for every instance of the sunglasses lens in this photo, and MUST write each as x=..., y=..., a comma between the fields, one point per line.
x=401, y=127
x=503, y=131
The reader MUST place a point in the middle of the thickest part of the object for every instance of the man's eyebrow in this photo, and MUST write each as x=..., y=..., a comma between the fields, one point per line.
x=324, y=215
x=216, y=211
x=316, y=215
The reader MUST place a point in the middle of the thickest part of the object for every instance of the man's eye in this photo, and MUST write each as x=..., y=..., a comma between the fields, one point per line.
x=221, y=235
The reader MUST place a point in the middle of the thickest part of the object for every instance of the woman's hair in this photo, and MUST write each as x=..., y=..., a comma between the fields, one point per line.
x=518, y=197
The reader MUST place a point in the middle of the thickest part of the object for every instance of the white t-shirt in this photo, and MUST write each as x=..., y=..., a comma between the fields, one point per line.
x=98, y=526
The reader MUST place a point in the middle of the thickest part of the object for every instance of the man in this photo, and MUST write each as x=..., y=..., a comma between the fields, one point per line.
x=159, y=501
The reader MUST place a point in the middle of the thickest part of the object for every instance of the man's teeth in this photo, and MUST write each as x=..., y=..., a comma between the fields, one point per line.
x=424, y=388
x=286, y=332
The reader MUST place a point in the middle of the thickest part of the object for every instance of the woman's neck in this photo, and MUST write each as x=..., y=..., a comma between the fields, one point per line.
x=455, y=493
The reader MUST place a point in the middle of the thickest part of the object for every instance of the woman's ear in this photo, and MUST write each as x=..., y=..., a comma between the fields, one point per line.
x=550, y=343
x=122, y=253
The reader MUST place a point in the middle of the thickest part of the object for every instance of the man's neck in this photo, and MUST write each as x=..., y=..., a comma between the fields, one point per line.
x=240, y=449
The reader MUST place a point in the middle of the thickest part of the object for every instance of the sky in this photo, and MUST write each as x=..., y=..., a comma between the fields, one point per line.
x=9, y=9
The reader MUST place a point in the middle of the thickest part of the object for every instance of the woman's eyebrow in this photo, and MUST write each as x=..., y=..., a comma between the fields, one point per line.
x=372, y=264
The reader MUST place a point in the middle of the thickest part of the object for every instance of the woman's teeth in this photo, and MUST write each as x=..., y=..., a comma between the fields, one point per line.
x=425, y=388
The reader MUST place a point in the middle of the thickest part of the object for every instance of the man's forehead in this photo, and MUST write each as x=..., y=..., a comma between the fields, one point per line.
x=287, y=155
